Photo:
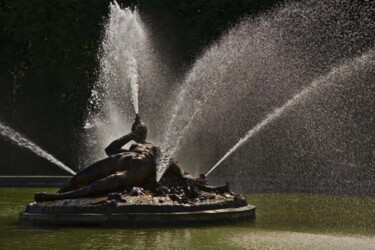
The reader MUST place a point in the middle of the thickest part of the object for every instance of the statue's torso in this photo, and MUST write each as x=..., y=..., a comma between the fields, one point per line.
x=139, y=163
x=146, y=150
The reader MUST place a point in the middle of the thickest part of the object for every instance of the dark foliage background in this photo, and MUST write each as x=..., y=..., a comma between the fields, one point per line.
x=48, y=62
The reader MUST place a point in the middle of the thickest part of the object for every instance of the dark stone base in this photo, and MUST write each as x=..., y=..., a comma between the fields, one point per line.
x=144, y=210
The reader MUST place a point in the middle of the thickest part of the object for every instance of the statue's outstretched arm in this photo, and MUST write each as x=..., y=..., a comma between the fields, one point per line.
x=116, y=146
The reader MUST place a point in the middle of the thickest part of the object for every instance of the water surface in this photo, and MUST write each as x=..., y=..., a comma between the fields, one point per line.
x=284, y=221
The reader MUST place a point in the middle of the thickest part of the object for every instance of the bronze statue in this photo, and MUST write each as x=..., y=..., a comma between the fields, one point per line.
x=110, y=186
x=124, y=169
x=121, y=169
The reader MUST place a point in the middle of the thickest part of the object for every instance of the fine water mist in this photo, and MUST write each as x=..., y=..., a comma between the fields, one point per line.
x=109, y=112
x=127, y=60
x=324, y=140
x=343, y=71
x=258, y=66
x=21, y=141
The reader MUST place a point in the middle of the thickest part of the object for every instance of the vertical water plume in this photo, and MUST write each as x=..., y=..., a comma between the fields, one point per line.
x=116, y=90
x=135, y=90
x=129, y=67
x=23, y=142
x=366, y=60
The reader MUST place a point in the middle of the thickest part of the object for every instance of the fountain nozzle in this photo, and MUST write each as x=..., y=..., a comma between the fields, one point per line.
x=202, y=179
x=137, y=119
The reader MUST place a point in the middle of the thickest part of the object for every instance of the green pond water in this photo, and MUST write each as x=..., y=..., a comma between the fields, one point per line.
x=284, y=221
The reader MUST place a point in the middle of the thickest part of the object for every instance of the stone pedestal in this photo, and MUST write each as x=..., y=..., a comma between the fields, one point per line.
x=144, y=210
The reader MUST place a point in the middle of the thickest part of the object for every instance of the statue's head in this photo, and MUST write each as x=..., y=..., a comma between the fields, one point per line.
x=139, y=128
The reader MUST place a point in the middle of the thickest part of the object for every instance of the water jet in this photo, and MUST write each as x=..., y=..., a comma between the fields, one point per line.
x=366, y=60
x=258, y=66
x=23, y=142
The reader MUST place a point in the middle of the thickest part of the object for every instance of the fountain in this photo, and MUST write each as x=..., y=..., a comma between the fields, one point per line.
x=260, y=64
x=124, y=189
x=132, y=186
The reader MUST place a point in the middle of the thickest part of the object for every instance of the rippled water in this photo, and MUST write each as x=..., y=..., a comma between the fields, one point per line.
x=284, y=221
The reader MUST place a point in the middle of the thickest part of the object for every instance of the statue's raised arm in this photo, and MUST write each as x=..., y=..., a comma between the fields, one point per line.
x=115, y=147
x=138, y=134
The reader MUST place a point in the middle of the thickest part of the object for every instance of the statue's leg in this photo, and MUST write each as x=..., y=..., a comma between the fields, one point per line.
x=98, y=170
x=112, y=183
